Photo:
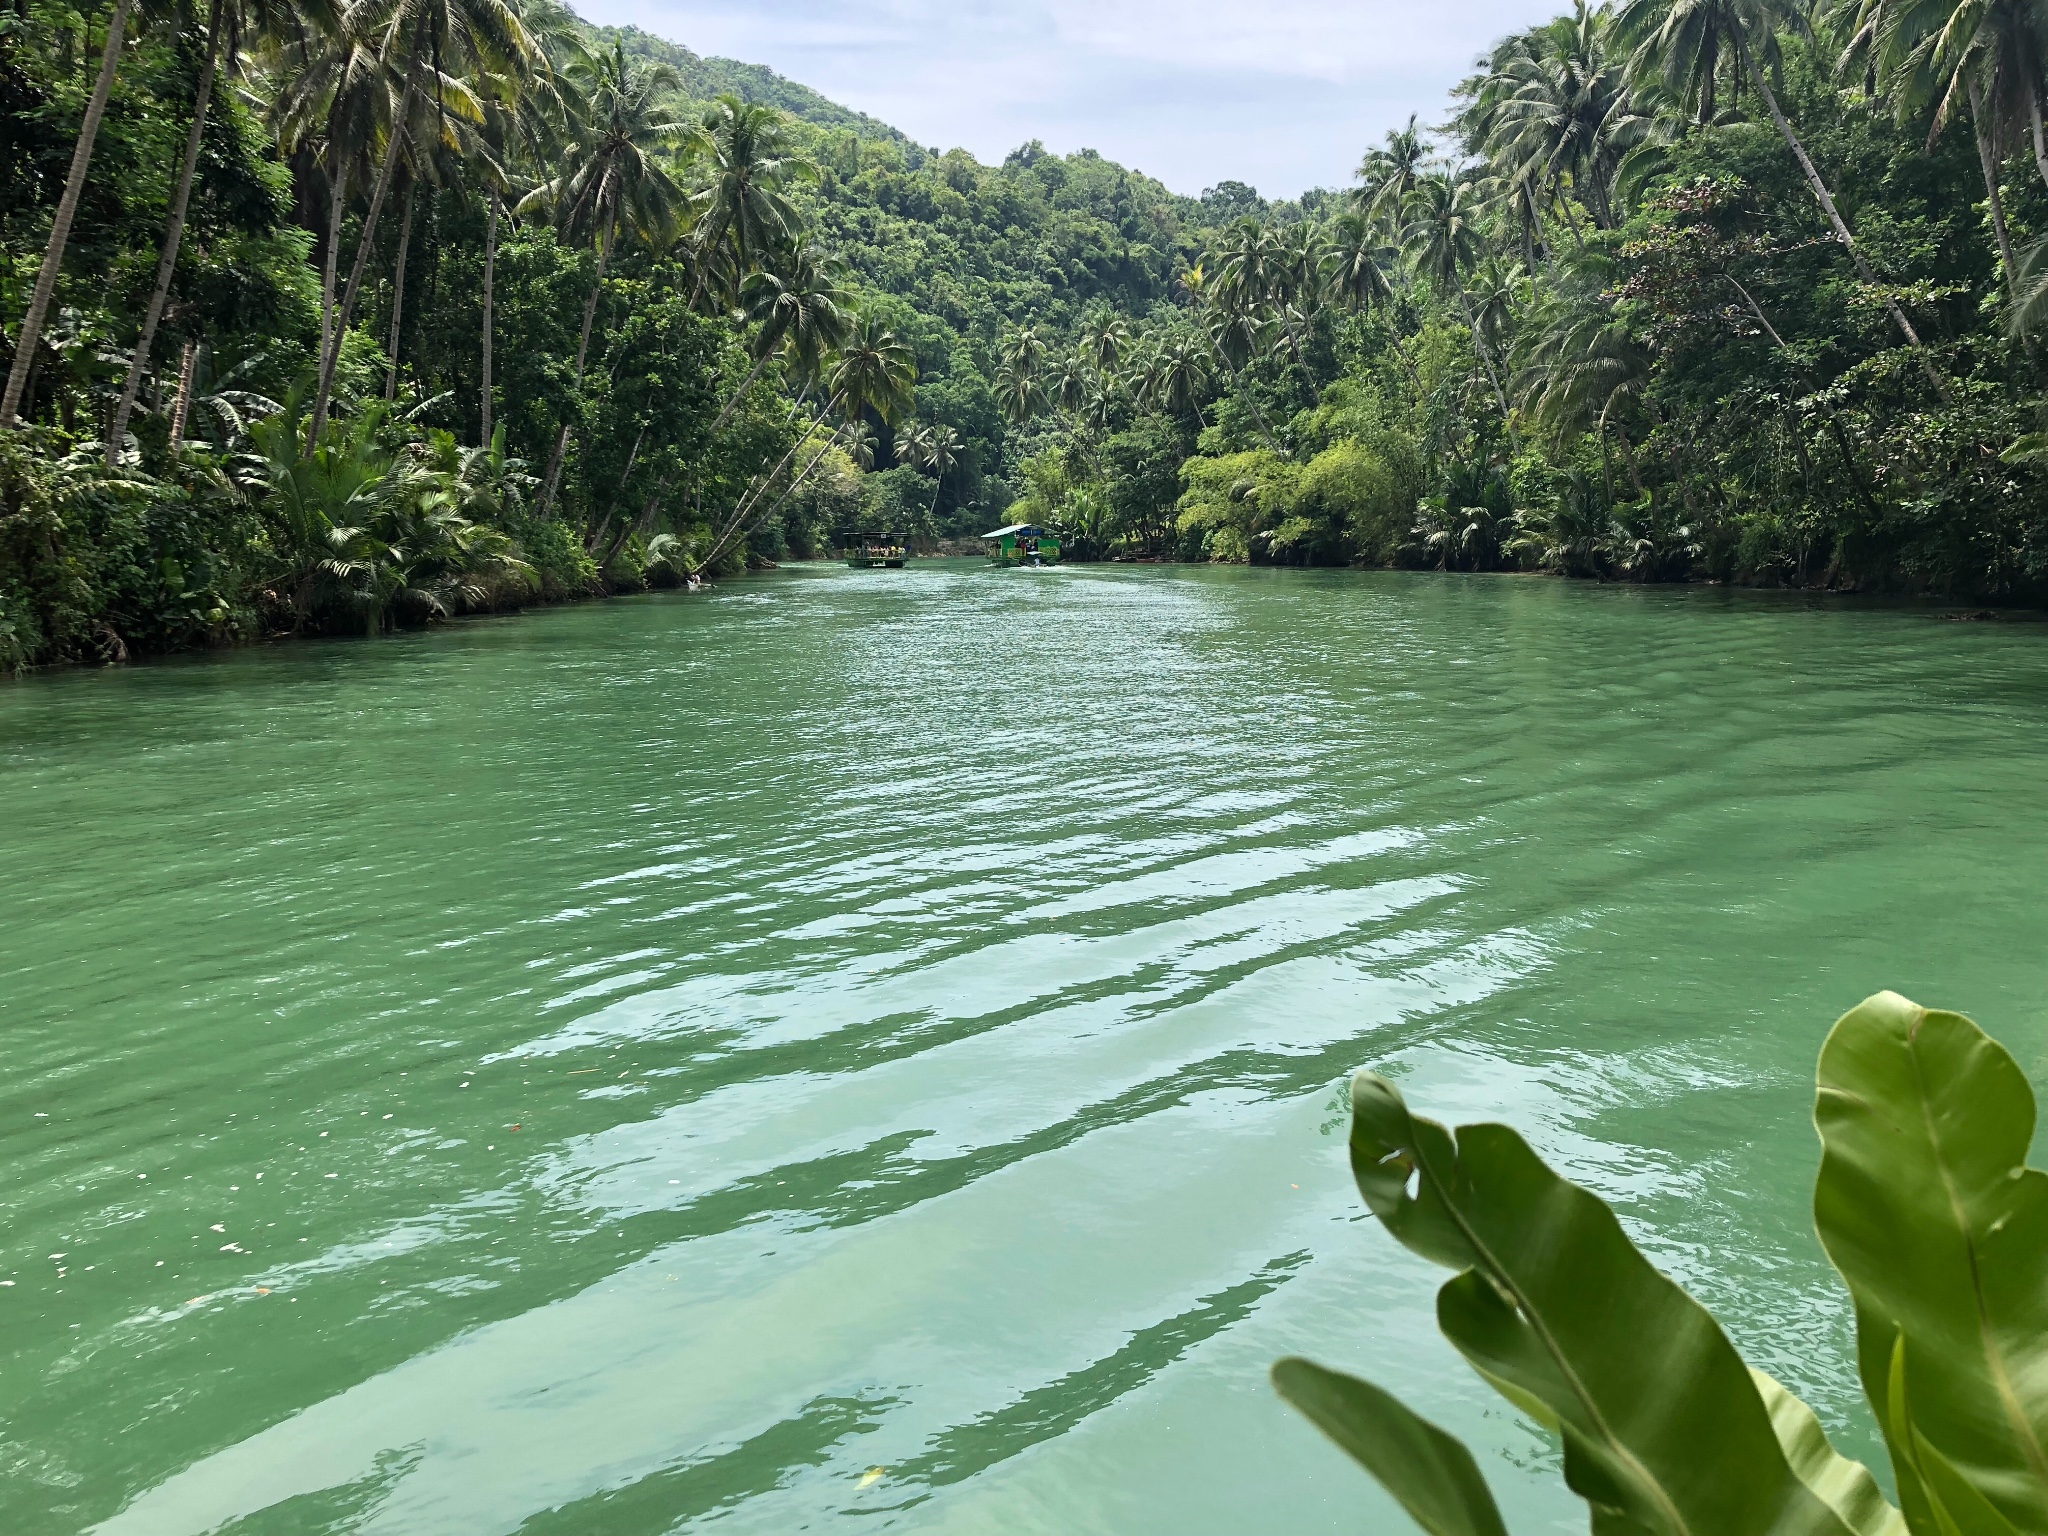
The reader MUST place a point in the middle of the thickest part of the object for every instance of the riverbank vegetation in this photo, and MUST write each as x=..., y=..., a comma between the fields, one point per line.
x=335, y=316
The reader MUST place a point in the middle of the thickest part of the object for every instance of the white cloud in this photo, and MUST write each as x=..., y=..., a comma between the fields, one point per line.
x=1284, y=94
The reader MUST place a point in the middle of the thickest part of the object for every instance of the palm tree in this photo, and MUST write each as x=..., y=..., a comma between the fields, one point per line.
x=873, y=374
x=31, y=331
x=935, y=448
x=742, y=213
x=1355, y=275
x=1553, y=107
x=795, y=304
x=1990, y=53
x=1178, y=375
x=1022, y=352
x=1443, y=239
x=1104, y=338
x=1019, y=393
x=526, y=119
x=332, y=100
x=431, y=45
x=1388, y=175
x=610, y=174
x=1683, y=41
x=1581, y=368
x=167, y=261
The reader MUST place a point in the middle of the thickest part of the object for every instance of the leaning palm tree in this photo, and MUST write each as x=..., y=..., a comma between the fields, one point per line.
x=742, y=209
x=1942, y=53
x=611, y=175
x=432, y=46
x=218, y=17
x=873, y=374
x=1682, y=43
x=26, y=339
x=796, y=305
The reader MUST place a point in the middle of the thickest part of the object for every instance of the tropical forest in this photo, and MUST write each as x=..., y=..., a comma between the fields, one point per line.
x=339, y=319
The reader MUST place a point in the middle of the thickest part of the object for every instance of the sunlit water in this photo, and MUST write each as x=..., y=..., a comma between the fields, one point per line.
x=863, y=1050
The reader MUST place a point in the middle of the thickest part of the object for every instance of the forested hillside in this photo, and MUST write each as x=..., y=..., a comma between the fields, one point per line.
x=340, y=317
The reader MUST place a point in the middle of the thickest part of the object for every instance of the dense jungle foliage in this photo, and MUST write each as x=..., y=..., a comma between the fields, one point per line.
x=342, y=314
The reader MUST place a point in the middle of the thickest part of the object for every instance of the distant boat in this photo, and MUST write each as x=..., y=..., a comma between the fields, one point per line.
x=1023, y=544
x=865, y=551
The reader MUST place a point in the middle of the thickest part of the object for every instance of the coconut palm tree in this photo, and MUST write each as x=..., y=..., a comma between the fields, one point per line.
x=1022, y=352
x=1354, y=275
x=742, y=211
x=527, y=114
x=1992, y=54
x=936, y=449
x=1104, y=338
x=31, y=331
x=1444, y=240
x=1388, y=175
x=796, y=304
x=431, y=45
x=873, y=374
x=1682, y=42
x=167, y=261
x=1177, y=376
x=612, y=173
x=1019, y=393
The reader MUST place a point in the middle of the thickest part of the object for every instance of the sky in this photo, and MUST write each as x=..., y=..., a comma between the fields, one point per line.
x=1283, y=94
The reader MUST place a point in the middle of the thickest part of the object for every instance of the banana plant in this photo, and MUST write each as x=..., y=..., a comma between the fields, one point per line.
x=1926, y=1207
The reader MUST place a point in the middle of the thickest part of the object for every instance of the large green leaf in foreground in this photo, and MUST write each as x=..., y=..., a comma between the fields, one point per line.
x=1664, y=1430
x=1926, y=1206
x=1430, y=1472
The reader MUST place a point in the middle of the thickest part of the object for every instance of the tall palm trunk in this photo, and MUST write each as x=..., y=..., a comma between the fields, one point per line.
x=337, y=207
x=1988, y=158
x=1827, y=203
x=1479, y=345
x=412, y=193
x=173, y=236
x=490, y=271
x=324, y=392
x=2040, y=140
x=60, y=227
x=183, y=403
x=604, y=256
x=761, y=486
x=741, y=393
x=735, y=531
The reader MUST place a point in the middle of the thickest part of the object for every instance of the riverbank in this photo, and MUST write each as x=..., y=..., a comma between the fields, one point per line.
x=116, y=651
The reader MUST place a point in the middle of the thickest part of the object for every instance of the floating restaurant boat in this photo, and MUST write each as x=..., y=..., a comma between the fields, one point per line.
x=865, y=551
x=1023, y=544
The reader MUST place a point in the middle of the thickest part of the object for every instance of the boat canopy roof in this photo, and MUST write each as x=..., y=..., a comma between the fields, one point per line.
x=1027, y=529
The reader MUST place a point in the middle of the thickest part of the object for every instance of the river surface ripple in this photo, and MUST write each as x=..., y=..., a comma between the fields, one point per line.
x=864, y=1050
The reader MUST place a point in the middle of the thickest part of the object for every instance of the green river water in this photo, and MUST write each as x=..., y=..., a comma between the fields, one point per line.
x=863, y=1051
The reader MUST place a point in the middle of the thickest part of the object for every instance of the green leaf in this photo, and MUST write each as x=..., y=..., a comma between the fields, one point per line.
x=1663, y=1429
x=1846, y=1485
x=1943, y=1499
x=1430, y=1472
x=1928, y=1209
